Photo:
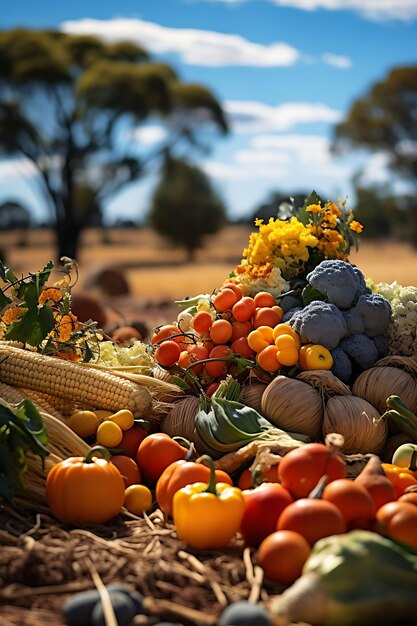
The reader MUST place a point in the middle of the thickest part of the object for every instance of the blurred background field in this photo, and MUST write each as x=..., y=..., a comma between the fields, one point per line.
x=155, y=271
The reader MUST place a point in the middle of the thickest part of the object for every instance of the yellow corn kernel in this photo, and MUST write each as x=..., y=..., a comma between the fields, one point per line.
x=85, y=385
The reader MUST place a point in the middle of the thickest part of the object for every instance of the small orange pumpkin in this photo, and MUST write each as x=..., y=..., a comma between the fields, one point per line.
x=87, y=490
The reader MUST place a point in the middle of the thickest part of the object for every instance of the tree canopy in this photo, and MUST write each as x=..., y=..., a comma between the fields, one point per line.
x=385, y=119
x=185, y=207
x=71, y=105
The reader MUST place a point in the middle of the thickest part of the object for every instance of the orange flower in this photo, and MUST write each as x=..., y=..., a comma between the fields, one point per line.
x=67, y=325
x=356, y=226
x=12, y=314
x=50, y=294
x=314, y=208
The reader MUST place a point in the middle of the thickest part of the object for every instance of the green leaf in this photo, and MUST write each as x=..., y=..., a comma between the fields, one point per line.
x=28, y=412
x=33, y=327
x=309, y=294
x=302, y=213
x=10, y=276
x=43, y=275
x=4, y=300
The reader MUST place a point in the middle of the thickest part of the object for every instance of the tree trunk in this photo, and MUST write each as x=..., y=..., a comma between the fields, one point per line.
x=68, y=238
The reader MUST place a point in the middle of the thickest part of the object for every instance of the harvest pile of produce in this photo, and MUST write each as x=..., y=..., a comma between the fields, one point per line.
x=272, y=424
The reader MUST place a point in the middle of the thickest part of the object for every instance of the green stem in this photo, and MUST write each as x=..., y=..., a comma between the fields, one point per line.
x=211, y=487
x=413, y=461
x=97, y=450
x=183, y=442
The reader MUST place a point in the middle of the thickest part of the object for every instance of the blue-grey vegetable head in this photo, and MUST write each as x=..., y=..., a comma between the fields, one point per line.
x=361, y=350
x=375, y=311
x=338, y=282
x=320, y=322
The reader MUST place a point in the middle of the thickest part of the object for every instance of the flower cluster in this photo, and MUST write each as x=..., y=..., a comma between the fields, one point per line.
x=402, y=330
x=284, y=249
x=33, y=313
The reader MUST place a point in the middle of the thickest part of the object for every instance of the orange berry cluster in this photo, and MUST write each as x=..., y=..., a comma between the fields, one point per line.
x=235, y=326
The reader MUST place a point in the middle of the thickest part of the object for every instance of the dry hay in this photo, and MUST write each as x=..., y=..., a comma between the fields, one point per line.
x=42, y=563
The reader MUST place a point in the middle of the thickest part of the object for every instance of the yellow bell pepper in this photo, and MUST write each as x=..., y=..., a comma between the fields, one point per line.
x=207, y=516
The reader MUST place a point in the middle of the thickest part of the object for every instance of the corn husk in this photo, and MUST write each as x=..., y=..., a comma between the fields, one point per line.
x=180, y=421
x=357, y=421
x=392, y=375
x=293, y=405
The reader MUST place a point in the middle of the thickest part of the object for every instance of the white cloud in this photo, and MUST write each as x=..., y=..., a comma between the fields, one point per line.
x=148, y=135
x=17, y=167
x=251, y=117
x=195, y=47
x=404, y=10
x=336, y=60
x=235, y=171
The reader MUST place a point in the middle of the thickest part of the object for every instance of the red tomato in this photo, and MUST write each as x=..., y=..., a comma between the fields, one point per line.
x=313, y=519
x=263, y=507
x=352, y=500
x=398, y=520
x=282, y=556
x=155, y=453
x=132, y=439
x=300, y=470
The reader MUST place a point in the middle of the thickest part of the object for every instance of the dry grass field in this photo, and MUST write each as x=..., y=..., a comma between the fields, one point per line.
x=155, y=271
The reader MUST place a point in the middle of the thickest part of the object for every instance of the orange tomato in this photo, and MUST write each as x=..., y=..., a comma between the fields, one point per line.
x=155, y=453
x=221, y=331
x=268, y=359
x=265, y=316
x=224, y=299
x=282, y=556
x=131, y=440
x=167, y=353
x=352, y=500
x=300, y=470
x=128, y=469
x=165, y=332
x=218, y=368
x=398, y=520
x=241, y=329
x=241, y=347
x=234, y=288
x=202, y=322
x=313, y=519
x=264, y=299
x=410, y=497
x=244, y=308
x=246, y=478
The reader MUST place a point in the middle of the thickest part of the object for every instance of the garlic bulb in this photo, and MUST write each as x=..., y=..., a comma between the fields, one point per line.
x=252, y=394
x=180, y=421
x=294, y=406
x=357, y=421
x=378, y=383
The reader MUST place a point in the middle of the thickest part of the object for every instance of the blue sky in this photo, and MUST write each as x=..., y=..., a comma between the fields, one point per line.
x=285, y=71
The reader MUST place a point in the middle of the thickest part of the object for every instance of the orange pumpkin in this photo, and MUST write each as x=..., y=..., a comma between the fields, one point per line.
x=179, y=474
x=86, y=490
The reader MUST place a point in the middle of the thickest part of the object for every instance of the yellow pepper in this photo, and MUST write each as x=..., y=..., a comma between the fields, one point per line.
x=401, y=477
x=207, y=516
x=315, y=357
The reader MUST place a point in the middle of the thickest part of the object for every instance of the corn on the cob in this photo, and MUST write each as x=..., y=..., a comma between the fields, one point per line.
x=72, y=381
x=51, y=404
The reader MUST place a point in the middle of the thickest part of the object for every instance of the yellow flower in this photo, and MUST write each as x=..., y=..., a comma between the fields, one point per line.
x=356, y=226
x=12, y=314
x=314, y=208
x=50, y=294
x=333, y=209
